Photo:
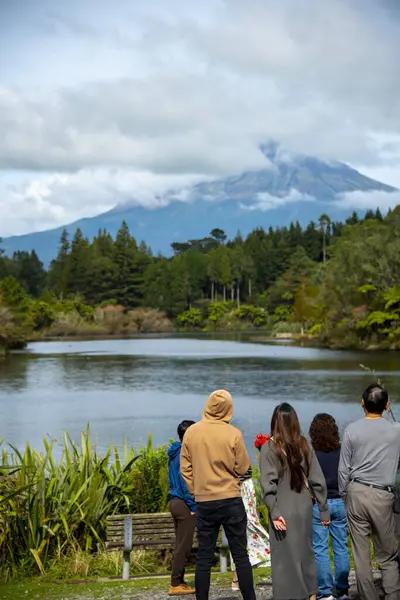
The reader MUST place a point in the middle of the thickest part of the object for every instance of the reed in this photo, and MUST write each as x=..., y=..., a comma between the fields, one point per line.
x=51, y=507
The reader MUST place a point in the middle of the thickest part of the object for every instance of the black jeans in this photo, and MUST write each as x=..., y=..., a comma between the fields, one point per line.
x=231, y=515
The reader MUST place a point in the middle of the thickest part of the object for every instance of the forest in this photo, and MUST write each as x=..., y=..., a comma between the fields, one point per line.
x=337, y=282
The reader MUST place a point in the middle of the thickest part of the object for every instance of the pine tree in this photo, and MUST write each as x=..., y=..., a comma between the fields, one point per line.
x=58, y=272
x=129, y=269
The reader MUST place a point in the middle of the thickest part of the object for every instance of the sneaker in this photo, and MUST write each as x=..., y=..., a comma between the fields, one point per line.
x=181, y=590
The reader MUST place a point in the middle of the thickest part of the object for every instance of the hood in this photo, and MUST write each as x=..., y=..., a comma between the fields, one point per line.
x=219, y=407
x=174, y=449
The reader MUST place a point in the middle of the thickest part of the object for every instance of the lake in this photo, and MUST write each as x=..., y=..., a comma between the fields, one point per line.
x=130, y=388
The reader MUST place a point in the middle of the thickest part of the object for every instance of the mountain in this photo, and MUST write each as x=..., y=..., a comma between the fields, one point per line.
x=288, y=188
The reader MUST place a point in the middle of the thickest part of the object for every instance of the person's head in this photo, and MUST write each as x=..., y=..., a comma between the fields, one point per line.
x=375, y=399
x=292, y=447
x=324, y=433
x=219, y=407
x=183, y=427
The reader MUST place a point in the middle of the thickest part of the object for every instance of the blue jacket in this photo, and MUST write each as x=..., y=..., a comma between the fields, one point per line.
x=177, y=486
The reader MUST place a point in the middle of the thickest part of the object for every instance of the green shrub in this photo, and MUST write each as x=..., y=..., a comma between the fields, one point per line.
x=51, y=508
x=191, y=318
x=257, y=316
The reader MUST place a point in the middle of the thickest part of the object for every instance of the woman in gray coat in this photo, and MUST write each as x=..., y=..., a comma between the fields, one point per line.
x=292, y=480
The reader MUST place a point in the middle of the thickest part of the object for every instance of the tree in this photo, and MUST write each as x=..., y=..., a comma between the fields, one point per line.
x=77, y=265
x=219, y=235
x=324, y=222
x=30, y=272
x=58, y=273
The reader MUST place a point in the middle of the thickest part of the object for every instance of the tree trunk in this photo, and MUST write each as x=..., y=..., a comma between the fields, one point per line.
x=224, y=293
x=250, y=290
x=238, y=294
x=232, y=291
x=212, y=291
x=324, y=247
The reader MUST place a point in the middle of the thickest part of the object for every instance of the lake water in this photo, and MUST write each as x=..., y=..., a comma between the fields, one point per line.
x=129, y=388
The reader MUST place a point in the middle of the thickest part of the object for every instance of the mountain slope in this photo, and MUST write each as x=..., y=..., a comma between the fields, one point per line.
x=289, y=188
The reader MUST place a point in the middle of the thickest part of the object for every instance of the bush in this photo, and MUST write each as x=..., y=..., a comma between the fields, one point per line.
x=191, y=318
x=257, y=316
x=51, y=509
x=217, y=310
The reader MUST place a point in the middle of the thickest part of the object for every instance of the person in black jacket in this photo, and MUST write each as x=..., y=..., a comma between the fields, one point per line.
x=325, y=440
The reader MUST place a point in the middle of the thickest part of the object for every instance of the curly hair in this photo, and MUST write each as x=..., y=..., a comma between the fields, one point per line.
x=324, y=433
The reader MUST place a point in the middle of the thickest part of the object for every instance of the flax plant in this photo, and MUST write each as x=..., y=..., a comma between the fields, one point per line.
x=50, y=507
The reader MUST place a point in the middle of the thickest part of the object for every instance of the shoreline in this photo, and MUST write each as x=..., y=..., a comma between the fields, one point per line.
x=250, y=335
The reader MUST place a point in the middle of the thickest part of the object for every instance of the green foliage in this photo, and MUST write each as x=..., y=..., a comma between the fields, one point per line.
x=257, y=316
x=377, y=318
x=51, y=507
x=191, y=318
x=13, y=295
x=326, y=274
x=217, y=310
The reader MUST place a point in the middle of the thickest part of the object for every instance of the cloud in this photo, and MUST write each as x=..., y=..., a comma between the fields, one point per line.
x=370, y=199
x=265, y=201
x=189, y=93
x=52, y=199
x=304, y=74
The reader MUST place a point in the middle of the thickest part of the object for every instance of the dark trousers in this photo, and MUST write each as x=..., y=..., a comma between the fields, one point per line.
x=231, y=515
x=184, y=523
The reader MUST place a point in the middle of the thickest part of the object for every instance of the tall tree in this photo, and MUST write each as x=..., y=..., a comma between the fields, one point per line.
x=219, y=235
x=324, y=222
x=58, y=272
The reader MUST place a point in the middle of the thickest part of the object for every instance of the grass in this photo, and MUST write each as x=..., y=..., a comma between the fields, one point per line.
x=46, y=590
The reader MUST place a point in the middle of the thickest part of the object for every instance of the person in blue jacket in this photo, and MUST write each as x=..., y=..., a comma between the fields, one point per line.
x=183, y=508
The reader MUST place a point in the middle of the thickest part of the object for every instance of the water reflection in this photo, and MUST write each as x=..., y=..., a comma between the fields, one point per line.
x=133, y=387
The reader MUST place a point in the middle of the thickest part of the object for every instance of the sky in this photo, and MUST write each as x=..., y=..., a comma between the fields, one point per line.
x=107, y=102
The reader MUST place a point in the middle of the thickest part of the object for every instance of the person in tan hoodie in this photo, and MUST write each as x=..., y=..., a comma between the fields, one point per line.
x=213, y=458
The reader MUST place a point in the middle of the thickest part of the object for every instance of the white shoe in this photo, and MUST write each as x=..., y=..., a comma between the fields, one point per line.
x=344, y=597
x=235, y=586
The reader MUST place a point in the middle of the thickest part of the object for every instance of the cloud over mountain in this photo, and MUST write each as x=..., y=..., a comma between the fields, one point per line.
x=109, y=96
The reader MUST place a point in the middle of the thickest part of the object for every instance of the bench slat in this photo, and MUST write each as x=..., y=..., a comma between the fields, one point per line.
x=142, y=526
x=141, y=517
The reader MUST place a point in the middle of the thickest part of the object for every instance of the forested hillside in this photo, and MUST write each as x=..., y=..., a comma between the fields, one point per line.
x=337, y=281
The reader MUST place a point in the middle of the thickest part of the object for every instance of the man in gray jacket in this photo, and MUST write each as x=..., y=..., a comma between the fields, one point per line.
x=367, y=473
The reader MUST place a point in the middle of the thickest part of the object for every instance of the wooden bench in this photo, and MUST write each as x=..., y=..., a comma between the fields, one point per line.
x=151, y=532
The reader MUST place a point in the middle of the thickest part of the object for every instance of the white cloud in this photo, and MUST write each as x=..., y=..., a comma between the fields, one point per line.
x=265, y=201
x=370, y=199
x=57, y=199
x=188, y=92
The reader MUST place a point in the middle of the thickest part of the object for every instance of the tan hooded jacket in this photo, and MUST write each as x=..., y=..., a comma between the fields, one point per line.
x=213, y=454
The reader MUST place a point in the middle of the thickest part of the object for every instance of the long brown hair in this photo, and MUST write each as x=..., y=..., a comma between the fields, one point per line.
x=292, y=447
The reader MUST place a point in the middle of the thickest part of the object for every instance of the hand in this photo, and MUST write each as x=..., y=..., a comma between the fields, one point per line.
x=280, y=524
x=325, y=523
x=192, y=513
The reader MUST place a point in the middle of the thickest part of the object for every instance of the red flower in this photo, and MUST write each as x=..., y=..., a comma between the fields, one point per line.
x=261, y=439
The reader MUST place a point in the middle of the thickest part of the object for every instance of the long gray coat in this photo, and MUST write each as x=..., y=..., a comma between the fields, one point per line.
x=294, y=573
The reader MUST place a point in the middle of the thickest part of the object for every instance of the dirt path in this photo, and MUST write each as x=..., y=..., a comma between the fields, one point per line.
x=152, y=589
x=263, y=592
